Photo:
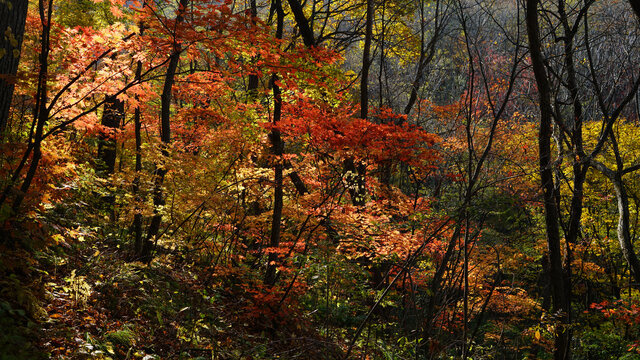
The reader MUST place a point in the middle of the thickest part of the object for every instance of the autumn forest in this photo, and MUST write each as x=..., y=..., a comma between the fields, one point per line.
x=319, y=179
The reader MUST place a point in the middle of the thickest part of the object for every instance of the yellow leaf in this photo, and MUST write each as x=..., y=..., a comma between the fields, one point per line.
x=537, y=335
x=99, y=39
x=57, y=238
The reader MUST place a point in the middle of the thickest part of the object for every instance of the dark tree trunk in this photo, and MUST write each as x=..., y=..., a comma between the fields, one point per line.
x=13, y=15
x=111, y=119
x=137, y=217
x=278, y=150
x=165, y=136
x=561, y=299
x=41, y=113
x=253, y=83
x=302, y=22
x=356, y=172
x=138, y=243
x=278, y=194
x=252, y=87
x=575, y=126
x=366, y=62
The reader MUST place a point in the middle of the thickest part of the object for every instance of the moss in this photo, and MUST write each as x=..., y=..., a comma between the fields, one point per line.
x=124, y=337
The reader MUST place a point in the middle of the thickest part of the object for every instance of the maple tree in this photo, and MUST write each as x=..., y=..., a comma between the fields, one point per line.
x=319, y=179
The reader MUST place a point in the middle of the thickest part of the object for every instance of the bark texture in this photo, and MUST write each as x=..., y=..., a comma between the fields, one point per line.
x=13, y=15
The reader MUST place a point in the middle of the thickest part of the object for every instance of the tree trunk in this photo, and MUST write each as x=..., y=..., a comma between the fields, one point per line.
x=41, y=113
x=138, y=243
x=111, y=119
x=165, y=136
x=278, y=149
x=575, y=126
x=624, y=233
x=426, y=56
x=366, y=62
x=356, y=173
x=13, y=15
x=252, y=87
x=302, y=22
x=278, y=194
x=561, y=299
x=137, y=217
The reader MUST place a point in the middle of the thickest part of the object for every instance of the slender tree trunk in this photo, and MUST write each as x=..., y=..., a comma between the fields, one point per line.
x=356, y=172
x=579, y=169
x=561, y=300
x=252, y=87
x=381, y=68
x=624, y=233
x=165, y=136
x=138, y=243
x=309, y=41
x=366, y=62
x=465, y=286
x=623, y=230
x=386, y=166
x=435, y=284
x=137, y=216
x=278, y=194
x=426, y=56
x=278, y=149
x=13, y=15
x=41, y=113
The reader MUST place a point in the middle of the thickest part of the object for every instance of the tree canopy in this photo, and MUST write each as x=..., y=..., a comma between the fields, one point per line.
x=322, y=179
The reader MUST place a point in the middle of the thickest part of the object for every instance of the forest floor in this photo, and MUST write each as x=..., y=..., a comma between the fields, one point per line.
x=85, y=300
